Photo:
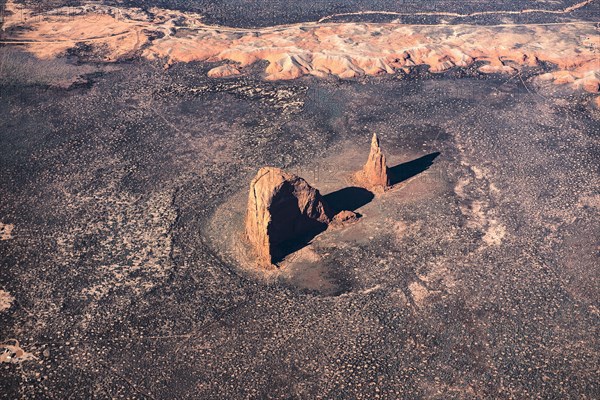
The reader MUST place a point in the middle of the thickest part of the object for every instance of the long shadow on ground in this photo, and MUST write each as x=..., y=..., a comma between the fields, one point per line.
x=349, y=198
x=352, y=198
x=404, y=171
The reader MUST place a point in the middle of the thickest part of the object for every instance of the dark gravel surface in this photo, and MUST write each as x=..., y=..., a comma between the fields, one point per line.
x=478, y=279
x=491, y=292
x=260, y=13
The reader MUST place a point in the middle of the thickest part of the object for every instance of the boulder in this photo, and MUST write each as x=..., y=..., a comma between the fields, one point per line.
x=591, y=84
x=282, y=209
x=345, y=217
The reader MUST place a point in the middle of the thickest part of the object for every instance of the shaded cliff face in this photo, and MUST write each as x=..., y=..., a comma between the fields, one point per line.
x=282, y=209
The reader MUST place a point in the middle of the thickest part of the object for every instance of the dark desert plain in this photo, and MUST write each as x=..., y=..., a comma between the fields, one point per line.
x=130, y=132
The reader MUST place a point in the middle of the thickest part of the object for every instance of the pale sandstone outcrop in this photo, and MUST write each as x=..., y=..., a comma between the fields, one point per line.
x=282, y=207
x=223, y=71
x=375, y=171
x=589, y=82
x=346, y=50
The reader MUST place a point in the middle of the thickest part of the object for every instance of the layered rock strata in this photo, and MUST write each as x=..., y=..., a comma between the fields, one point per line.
x=345, y=50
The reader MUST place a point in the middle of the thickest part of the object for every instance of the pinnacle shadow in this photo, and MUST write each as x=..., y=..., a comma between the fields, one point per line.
x=404, y=171
x=351, y=198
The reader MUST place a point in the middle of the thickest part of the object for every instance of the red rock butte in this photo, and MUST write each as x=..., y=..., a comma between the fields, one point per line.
x=282, y=207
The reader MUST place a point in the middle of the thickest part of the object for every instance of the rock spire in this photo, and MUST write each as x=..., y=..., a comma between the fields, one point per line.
x=375, y=171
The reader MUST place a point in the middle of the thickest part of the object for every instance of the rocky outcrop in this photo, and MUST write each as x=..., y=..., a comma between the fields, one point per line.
x=345, y=217
x=223, y=71
x=282, y=208
x=375, y=172
x=343, y=49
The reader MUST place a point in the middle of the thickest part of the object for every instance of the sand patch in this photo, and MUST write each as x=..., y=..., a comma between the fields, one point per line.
x=399, y=229
x=434, y=280
x=5, y=300
x=478, y=212
x=11, y=352
x=592, y=201
x=494, y=233
x=6, y=231
x=418, y=292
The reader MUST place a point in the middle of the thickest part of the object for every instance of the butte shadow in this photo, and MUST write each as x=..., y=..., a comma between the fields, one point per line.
x=349, y=198
x=346, y=199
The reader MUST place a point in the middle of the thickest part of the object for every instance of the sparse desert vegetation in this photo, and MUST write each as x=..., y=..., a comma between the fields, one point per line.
x=464, y=267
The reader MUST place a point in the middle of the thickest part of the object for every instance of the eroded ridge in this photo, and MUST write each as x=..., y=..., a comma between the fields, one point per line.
x=345, y=50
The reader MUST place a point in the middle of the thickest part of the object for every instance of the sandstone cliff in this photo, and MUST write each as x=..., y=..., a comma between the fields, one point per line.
x=282, y=208
x=344, y=49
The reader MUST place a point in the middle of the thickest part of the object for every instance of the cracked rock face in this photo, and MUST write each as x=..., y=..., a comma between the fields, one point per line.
x=282, y=208
x=375, y=171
